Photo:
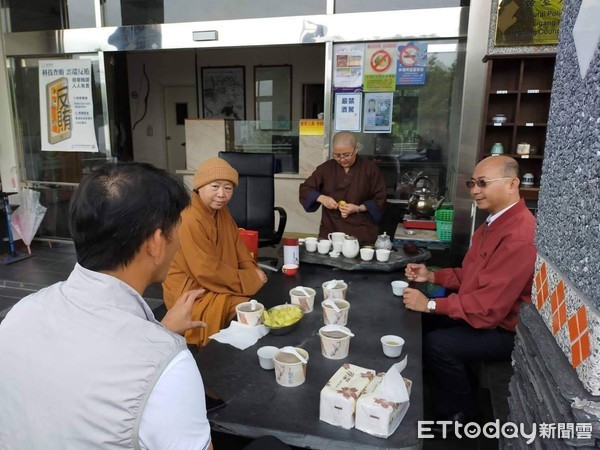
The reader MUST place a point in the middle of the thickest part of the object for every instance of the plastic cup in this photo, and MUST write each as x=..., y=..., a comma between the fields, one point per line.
x=305, y=302
x=247, y=315
x=338, y=291
x=398, y=287
x=331, y=316
x=392, y=345
x=265, y=356
x=334, y=344
x=289, y=370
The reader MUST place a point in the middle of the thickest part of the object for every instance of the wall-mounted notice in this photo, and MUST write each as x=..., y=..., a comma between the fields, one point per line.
x=347, y=112
x=412, y=62
x=66, y=106
x=378, y=112
x=380, y=67
x=348, y=65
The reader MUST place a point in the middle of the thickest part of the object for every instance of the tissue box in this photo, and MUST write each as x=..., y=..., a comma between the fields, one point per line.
x=338, y=397
x=377, y=416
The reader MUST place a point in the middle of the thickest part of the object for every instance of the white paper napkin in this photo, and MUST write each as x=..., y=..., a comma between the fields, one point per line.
x=240, y=335
x=392, y=387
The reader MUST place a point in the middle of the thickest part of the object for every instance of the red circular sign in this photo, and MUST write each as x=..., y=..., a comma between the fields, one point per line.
x=408, y=55
x=380, y=61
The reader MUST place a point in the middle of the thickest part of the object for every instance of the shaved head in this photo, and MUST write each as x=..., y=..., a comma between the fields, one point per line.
x=344, y=139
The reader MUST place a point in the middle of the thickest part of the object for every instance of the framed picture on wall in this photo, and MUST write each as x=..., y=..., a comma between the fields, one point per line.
x=223, y=93
x=273, y=97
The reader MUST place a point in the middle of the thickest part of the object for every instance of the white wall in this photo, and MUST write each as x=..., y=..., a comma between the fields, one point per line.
x=177, y=68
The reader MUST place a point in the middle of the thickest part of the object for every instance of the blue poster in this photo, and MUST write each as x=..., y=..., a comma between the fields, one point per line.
x=411, y=63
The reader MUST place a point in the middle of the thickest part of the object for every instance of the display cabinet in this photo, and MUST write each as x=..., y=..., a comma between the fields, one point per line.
x=517, y=103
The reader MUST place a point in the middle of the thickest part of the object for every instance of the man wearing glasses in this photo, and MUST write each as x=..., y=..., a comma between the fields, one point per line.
x=350, y=189
x=477, y=322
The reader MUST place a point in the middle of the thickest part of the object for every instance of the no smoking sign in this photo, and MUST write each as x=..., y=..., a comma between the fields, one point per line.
x=408, y=56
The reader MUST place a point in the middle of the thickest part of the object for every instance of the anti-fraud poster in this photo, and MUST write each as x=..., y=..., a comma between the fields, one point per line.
x=66, y=106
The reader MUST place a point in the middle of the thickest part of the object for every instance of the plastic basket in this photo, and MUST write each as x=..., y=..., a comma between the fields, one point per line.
x=444, y=215
x=443, y=224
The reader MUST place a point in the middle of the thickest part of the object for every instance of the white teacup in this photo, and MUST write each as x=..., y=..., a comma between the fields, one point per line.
x=289, y=370
x=265, y=356
x=398, y=287
x=324, y=246
x=392, y=345
x=249, y=313
x=335, y=344
x=307, y=303
x=366, y=254
x=310, y=243
x=331, y=316
x=337, y=236
x=382, y=254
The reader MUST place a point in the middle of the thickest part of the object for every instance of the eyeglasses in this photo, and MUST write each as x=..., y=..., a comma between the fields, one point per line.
x=341, y=156
x=483, y=183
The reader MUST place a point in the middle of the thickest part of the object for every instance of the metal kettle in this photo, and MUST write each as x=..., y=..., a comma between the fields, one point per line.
x=424, y=199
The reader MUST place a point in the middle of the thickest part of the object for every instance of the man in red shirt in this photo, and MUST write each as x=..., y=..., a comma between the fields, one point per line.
x=477, y=323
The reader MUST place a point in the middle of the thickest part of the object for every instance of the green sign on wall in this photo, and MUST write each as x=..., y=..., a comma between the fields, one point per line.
x=528, y=22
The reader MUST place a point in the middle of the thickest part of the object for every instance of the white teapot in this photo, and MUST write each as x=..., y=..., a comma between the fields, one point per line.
x=350, y=247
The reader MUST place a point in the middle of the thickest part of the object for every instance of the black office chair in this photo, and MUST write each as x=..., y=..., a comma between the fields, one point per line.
x=253, y=202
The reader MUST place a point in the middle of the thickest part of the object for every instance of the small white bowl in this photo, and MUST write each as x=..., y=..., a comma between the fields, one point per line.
x=265, y=356
x=334, y=254
x=392, y=345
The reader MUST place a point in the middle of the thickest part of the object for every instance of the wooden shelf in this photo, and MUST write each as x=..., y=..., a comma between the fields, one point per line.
x=518, y=86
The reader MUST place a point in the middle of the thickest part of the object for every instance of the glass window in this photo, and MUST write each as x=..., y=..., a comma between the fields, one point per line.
x=351, y=6
x=423, y=128
x=40, y=15
x=141, y=12
x=46, y=166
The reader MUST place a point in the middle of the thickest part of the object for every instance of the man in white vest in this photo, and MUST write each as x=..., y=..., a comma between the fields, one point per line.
x=83, y=363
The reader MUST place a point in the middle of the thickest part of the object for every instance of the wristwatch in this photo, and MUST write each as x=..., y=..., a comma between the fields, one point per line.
x=431, y=306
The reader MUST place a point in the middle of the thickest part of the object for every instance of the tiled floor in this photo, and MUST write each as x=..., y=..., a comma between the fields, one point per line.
x=46, y=266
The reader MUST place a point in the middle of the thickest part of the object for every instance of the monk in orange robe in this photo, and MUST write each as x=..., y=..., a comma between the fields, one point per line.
x=211, y=255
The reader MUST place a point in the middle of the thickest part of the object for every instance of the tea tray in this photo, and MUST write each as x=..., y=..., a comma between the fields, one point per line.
x=398, y=260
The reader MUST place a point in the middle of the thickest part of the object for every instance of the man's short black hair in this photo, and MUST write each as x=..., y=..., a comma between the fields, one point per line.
x=117, y=207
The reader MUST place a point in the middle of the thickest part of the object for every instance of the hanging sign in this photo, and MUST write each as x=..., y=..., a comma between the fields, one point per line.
x=311, y=127
x=412, y=63
x=66, y=106
x=348, y=65
x=380, y=67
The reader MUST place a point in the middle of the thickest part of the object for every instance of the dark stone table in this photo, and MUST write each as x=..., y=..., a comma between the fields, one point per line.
x=256, y=405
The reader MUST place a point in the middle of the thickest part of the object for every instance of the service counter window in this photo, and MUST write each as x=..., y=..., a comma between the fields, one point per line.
x=406, y=106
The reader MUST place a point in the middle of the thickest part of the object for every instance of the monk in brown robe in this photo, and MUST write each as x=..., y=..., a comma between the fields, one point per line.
x=211, y=254
x=351, y=190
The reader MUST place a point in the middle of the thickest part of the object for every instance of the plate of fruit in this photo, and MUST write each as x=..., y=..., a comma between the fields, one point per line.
x=282, y=319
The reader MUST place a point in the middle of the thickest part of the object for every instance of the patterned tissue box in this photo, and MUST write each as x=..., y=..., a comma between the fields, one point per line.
x=338, y=397
x=376, y=415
